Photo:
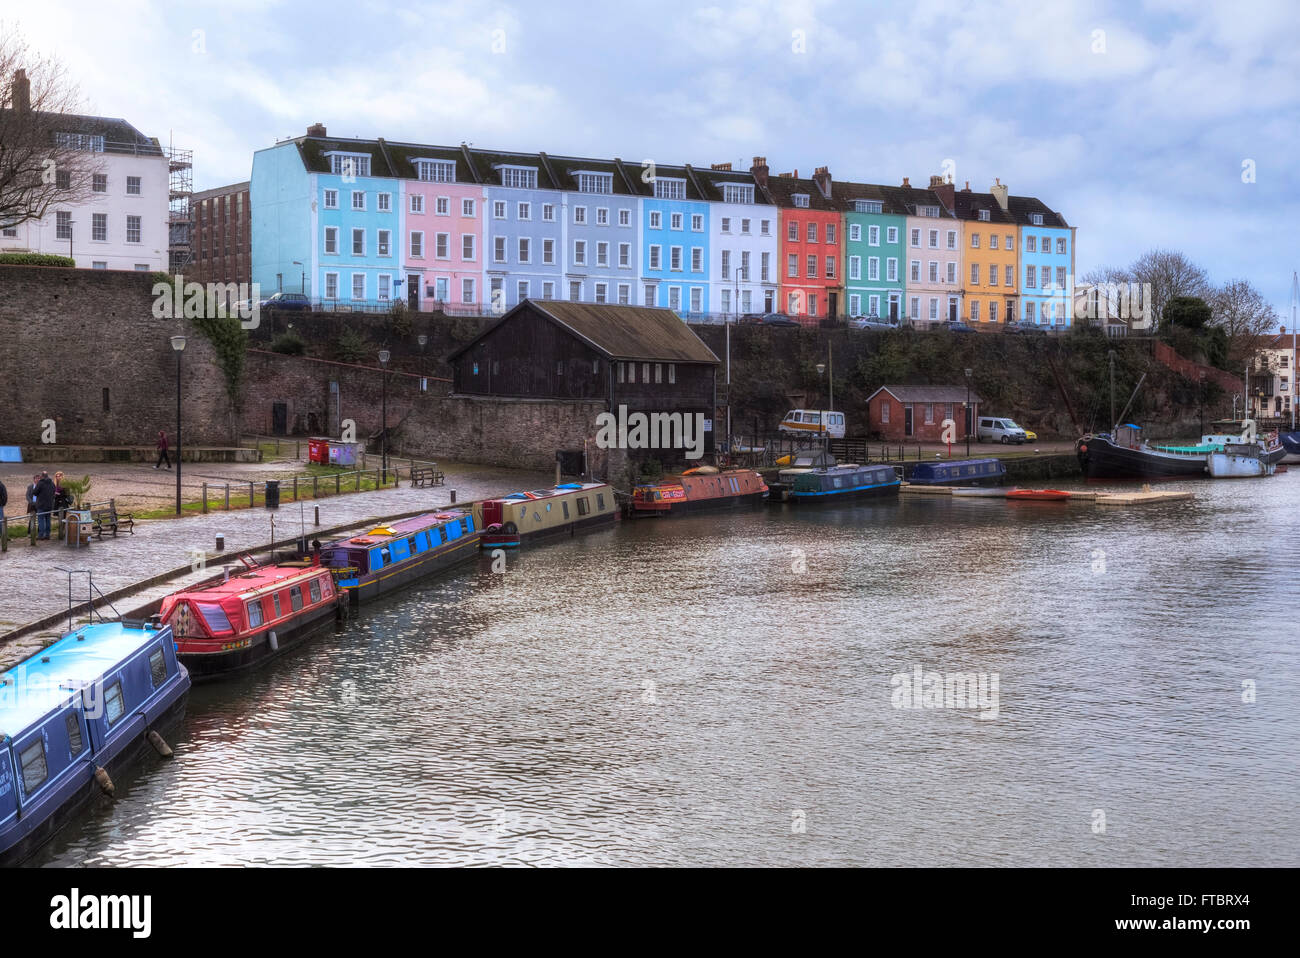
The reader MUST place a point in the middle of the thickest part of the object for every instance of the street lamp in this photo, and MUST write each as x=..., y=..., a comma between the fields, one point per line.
x=383, y=435
x=826, y=426
x=302, y=278
x=71, y=223
x=422, y=339
x=178, y=346
x=970, y=415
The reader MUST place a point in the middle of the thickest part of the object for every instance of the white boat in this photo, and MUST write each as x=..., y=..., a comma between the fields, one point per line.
x=1240, y=461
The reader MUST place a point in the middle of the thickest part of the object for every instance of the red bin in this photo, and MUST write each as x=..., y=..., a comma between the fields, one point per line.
x=318, y=450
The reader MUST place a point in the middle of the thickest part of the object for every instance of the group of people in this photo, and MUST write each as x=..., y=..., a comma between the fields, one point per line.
x=45, y=498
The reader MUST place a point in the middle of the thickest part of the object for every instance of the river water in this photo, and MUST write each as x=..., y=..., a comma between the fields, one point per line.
x=721, y=690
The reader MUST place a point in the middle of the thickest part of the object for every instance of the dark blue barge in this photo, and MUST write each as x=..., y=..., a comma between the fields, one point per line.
x=963, y=472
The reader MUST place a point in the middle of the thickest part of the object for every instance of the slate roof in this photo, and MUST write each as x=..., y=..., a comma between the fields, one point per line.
x=618, y=332
x=890, y=197
x=313, y=150
x=967, y=204
x=782, y=189
x=1021, y=207
x=915, y=394
x=119, y=135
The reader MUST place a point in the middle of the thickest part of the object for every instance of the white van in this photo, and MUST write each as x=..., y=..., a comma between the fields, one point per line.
x=813, y=422
x=1000, y=430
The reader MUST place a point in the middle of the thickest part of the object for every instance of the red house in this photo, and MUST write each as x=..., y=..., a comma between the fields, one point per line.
x=916, y=413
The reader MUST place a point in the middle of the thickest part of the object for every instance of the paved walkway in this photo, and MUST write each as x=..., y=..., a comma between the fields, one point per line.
x=31, y=585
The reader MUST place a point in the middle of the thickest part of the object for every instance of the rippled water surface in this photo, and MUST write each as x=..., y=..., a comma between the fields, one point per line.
x=717, y=690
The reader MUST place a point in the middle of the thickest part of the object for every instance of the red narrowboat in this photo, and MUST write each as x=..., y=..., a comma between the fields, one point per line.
x=238, y=622
x=698, y=490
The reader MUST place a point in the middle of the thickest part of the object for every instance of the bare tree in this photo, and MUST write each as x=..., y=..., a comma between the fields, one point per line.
x=40, y=164
x=1167, y=273
x=1244, y=314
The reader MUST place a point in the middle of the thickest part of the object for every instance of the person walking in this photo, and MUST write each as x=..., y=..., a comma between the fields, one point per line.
x=44, y=505
x=31, y=503
x=4, y=500
x=162, y=451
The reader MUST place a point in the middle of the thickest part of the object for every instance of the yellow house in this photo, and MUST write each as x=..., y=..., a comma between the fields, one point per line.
x=989, y=257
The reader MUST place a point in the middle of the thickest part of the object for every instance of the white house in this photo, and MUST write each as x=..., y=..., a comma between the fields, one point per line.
x=122, y=223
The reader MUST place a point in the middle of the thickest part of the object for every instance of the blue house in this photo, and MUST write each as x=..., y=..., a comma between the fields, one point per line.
x=1046, y=262
x=675, y=225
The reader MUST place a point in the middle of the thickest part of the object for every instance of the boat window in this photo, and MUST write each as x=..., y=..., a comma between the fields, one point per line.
x=157, y=668
x=35, y=771
x=255, y=613
x=410, y=545
x=600, y=502
x=325, y=589
x=314, y=588
x=75, y=742
x=275, y=601
x=215, y=616
x=442, y=534
x=295, y=598
x=386, y=555
x=114, y=707
x=376, y=560
x=548, y=507
x=583, y=506
x=566, y=509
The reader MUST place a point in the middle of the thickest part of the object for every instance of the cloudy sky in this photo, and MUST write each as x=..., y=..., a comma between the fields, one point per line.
x=1159, y=123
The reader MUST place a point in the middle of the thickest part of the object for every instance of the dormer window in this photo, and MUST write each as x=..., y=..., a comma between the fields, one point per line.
x=670, y=189
x=868, y=206
x=801, y=200
x=927, y=211
x=80, y=141
x=737, y=193
x=1036, y=219
x=984, y=216
x=595, y=182
x=436, y=171
x=349, y=164
x=519, y=177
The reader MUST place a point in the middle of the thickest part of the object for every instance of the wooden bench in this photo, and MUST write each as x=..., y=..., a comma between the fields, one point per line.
x=110, y=520
x=428, y=476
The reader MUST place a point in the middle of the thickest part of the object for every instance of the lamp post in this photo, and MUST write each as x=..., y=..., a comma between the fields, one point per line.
x=302, y=278
x=970, y=414
x=71, y=223
x=178, y=346
x=383, y=435
x=1200, y=401
x=826, y=426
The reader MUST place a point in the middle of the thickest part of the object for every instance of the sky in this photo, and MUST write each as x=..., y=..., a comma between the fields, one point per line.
x=1162, y=123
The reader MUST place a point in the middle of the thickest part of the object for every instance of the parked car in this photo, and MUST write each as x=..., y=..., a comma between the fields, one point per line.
x=956, y=327
x=775, y=319
x=813, y=422
x=286, y=301
x=994, y=429
x=1030, y=435
x=871, y=322
x=1024, y=328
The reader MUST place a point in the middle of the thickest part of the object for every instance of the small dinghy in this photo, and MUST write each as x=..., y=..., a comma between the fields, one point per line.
x=1045, y=495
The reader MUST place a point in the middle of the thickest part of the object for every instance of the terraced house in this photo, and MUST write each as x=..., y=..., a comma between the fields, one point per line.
x=675, y=230
x=990, y=292
x=810, y=242
x=742, y=240
x=933, y=279
x=1046, y=262
x=875, y=226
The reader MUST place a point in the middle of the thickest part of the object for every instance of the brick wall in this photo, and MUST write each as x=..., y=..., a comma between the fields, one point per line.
x=68, y=335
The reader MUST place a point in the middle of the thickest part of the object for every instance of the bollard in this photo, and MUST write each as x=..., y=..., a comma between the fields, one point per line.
x=358, y=480
x=453, y=497
x=318, y=515
x=338, y=482
x=295, y=488
x=250, y=495
x=205, y=498
x=227, y=497
x=221, y=542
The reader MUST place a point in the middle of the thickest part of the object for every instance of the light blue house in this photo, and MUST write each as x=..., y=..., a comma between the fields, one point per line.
x=327, y=220
x=1046, y=262
x=675, y=225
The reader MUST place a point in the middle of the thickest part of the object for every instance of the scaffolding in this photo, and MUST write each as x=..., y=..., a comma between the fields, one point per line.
x=180, y=225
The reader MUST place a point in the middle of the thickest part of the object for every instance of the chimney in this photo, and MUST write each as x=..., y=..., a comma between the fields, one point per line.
x=822, y=177
x=945, y=191
x=967, y=188
x=316, y=129
x=906, y=184
x=21, y=98
x=759, y=169
x=720, y=166
x=999, y=191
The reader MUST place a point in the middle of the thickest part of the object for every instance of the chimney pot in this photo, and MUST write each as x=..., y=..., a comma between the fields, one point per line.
x=906, y=184
x=935, y=180
x=720, y=166
x=316, y=129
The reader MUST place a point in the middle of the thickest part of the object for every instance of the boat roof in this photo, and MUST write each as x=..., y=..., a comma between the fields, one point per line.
x=33, y=687
x=405, y=527
x=256, y=578
x=559, y=490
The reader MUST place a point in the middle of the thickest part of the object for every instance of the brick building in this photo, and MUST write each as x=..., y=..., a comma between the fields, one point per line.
x=916, y=413
x=221, y=236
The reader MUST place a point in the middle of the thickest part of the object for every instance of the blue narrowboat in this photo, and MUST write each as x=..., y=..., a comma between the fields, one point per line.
x=963, y=472
x=71, y=715
x=391, y=556
x=844, y=482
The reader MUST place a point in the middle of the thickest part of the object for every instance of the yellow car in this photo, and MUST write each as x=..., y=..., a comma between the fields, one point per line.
x=1030, y=435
